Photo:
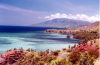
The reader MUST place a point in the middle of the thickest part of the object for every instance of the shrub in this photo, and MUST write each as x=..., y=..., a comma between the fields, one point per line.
x=92, y=50
x=86, y=59
x=11, y=57
x=74, y=57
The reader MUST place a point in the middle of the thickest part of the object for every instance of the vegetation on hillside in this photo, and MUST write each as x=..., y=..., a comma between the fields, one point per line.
x=86, y=36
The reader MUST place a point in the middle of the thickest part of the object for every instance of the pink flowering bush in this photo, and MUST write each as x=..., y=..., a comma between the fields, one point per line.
x=11, y=57
x=92, y=50
x=2, y=60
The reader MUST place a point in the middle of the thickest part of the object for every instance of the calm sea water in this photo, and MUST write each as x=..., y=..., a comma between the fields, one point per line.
x=32, y=37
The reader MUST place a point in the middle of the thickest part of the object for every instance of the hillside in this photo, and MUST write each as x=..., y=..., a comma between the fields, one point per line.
x=62, y=22
x=94, y=27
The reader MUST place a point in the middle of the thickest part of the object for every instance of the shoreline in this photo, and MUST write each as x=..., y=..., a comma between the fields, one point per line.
x=77, y=34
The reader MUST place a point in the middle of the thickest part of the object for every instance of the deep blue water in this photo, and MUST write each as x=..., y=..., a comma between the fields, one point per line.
x=32, y=37
x=16, y=29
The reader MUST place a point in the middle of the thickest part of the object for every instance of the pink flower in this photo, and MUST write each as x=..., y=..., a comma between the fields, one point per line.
x=2, y=60
x=7, y=53
x=83, y=48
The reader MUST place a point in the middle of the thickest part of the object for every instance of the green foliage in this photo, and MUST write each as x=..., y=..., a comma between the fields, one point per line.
x=86, y=59
x=85, y=36
x=64, y=62
x=74, y=57
x=53, y=62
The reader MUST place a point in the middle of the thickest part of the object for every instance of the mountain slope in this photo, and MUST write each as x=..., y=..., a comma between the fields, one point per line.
x=93, y=26
x=62, y=22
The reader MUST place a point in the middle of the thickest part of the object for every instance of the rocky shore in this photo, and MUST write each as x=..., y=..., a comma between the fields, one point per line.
x=61, y=31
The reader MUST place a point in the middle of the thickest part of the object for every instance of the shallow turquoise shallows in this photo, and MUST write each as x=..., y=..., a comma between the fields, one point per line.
x=37, y=40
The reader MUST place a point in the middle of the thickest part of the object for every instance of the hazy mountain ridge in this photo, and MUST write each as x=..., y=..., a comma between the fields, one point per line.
x=94, y=26
x=62, y=22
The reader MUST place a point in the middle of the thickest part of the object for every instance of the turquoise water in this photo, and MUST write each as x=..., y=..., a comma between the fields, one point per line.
x=37, y=40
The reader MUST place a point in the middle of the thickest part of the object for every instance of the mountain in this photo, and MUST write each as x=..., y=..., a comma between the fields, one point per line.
x=62, y=22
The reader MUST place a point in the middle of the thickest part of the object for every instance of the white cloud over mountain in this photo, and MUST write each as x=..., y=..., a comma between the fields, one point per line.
x=71, y=16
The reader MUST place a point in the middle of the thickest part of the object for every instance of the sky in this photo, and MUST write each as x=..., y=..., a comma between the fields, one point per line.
x=28, y=12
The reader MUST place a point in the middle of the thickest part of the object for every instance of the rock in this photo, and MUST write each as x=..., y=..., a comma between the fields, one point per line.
x=68, y=36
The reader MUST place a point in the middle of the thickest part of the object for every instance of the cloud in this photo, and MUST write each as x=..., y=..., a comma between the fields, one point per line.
x=71, y=16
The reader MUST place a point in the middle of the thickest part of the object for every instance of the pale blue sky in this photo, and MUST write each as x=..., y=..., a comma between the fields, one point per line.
x=27, y=12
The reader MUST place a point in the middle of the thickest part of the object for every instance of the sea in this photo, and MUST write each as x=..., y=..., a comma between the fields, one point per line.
x=34, y=38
